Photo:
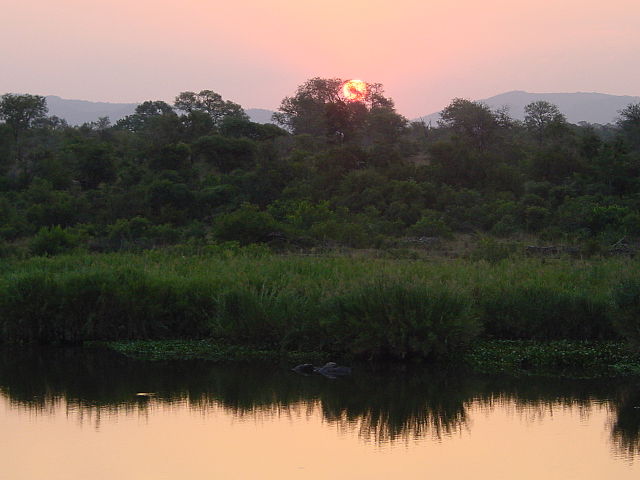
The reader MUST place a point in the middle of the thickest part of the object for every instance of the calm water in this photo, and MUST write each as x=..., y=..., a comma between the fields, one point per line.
x=68, y=414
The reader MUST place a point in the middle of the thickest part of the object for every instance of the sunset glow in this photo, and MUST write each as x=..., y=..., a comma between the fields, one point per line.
x=124, y=51
x=354, y=90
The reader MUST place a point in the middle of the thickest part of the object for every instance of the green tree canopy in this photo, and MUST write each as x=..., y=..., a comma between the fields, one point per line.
x=211, y=103
x=318, y=109
x=146, y=115
x=225, y=153
x=629, y=122
x=20, y=112
x=473, y=121
x=544, y=119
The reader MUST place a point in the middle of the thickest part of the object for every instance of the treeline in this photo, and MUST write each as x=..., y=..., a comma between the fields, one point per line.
x=333, y=173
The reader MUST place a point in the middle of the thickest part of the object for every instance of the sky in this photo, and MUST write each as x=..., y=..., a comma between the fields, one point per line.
x=424, y=52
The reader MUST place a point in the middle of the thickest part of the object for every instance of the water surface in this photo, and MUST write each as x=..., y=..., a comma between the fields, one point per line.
x=73, y=414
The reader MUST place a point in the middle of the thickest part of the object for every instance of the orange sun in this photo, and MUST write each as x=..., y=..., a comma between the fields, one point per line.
x=354, y=90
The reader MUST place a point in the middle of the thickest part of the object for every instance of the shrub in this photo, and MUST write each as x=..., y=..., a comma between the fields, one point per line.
x=431, y=224
x=102, y=305
x=227, y=154
x=342, y=233
x=7, y=250
x=53, y=241
x=544, y=313
x=262, y=315
x=505, y=226
x=173, y=156
x=26, y=307
x=388, y=318
x=626, y=296
x=246, y=225
x=492, y=251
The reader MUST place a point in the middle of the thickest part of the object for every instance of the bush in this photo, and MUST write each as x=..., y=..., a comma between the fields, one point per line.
x=505, y=226
x=262, y=315
x=174, y=156
x=7, y=250
x=226, y=154
x=492, y=251
x=342, y=233
x=53, y=241
x=544, y=313
x=102, y=305
x=246, y=225
x=387, y=318
x=626, y=296
x=431, y=224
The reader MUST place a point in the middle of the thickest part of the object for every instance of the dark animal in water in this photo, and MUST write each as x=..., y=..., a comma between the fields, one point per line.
x=329, y=370
x=304, y=369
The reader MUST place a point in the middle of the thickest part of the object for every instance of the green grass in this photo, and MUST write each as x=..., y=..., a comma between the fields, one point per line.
x=557, y=358
x=565, y=358
x=361, y=306
x=160, y=350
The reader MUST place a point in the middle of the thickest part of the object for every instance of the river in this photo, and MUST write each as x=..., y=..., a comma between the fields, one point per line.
x=90, y=414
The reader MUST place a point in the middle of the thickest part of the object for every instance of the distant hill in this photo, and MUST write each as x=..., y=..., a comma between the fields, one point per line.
x=77, y=112
x=260, y=115
x=577, y=107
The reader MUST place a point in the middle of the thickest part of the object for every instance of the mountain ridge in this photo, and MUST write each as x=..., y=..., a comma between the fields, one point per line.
x=590, y=107
x=77, y=112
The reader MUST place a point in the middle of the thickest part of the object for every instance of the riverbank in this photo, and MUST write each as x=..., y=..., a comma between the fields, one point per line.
x=563, y=358
x=209, y=350
x=571, y=359
x=356, y=306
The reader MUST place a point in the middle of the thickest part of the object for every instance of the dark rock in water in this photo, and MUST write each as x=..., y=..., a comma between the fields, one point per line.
x=329, y=370
x=304, y=369
x=332, y=370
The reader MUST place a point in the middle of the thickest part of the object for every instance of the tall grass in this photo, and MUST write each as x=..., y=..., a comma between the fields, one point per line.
x=391, y=317
x=100, y=305
x=370, y=307
x=540, y=312
x=627, y=299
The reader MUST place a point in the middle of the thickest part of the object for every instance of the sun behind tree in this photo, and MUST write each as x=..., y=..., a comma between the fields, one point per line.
x=354, y=90
x=337, y=109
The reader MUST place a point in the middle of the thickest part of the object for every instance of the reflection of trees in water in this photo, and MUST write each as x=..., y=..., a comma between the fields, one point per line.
x=381, y=412
x=397, y=405
x=538, y=398
x=621, y=397
x=626, y=426
x=380, y=406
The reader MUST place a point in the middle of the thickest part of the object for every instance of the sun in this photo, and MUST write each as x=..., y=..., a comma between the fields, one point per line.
x=354, y=90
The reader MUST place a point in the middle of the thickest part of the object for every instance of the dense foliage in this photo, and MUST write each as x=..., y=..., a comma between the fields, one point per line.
x=338, y=173
x=344, y=305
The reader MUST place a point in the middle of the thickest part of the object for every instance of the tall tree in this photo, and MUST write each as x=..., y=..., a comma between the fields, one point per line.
x=211, y=103
x=318, y=109
x=20, y=112
x=155, y=121
x=146, y=113
x=544, y=120
x=629, y=122
x=473, y=121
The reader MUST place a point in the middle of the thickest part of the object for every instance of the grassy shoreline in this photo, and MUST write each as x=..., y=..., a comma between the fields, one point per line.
x=570, y=359
x=361, y=307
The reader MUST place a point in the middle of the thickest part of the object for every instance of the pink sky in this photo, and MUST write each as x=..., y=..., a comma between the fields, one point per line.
x=425, y=52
